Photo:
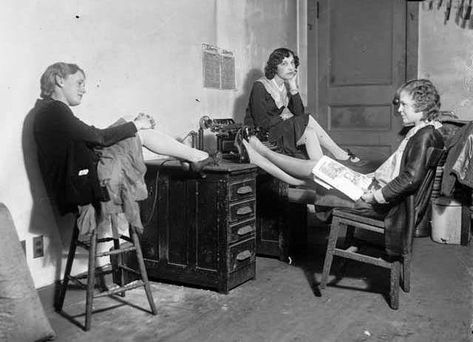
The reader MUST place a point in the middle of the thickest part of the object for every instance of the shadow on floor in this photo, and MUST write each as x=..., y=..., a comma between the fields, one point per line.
x=284, y=303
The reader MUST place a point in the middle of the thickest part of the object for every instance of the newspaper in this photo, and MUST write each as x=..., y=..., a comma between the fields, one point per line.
x=351, y=183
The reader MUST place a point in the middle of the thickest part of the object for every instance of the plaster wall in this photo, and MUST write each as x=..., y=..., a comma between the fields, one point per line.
x=446, y=57
x=140, y=56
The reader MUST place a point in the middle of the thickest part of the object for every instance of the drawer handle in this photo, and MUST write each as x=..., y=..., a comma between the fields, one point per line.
x=243, y=255
x=245, y=230
x=244, y=190
x=244, y=211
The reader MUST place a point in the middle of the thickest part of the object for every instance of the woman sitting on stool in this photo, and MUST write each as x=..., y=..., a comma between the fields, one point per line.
x=70, y=151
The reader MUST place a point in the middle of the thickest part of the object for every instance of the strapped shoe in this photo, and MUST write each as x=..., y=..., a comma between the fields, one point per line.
x=244, y=133
x=353, y=157
x=355, y=163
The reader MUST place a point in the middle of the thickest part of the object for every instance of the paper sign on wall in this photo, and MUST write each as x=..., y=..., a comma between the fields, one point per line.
x=218, y=67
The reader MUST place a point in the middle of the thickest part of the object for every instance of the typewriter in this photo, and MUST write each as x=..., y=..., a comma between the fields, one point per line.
x=225, y=131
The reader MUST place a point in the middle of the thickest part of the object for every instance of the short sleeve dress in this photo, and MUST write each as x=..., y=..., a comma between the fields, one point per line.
x=267, y=102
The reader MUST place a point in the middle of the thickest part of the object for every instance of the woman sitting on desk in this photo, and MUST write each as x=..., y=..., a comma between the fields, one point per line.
x=70, y=151
x=275, y=105
x=400, y=175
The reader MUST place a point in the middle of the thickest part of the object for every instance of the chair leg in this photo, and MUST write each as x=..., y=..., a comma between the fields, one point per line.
x=118, y=271
x=332, y=241
x=91, y=279
x=70, y=259
x=349, y=236
x=406, y=274
x=394, y=286
x=141, y=265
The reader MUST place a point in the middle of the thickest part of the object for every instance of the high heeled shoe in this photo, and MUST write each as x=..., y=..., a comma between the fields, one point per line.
x=355, y=163
x=197, y=167
x=352, y=157
x=243, y=133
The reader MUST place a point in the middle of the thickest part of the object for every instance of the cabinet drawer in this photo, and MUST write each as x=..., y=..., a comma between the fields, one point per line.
x=241, y=254
x=242, y=231
x=242, y=190
x=242, y=210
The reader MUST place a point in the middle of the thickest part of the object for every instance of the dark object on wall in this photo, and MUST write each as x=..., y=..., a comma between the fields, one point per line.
x=22, y=316
x=462, y=11
x=200, y=231
x=218, y=66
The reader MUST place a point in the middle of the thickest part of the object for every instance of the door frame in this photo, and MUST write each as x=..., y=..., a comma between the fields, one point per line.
x=308, y=47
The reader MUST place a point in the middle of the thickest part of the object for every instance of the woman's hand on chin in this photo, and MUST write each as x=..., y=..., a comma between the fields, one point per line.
x=292, y=84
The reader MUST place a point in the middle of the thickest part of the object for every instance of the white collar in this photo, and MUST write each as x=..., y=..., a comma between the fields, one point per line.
x=280, y=87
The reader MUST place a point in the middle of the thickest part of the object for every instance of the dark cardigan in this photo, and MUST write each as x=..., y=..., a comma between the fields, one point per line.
x=66, y=153
x=263, y=112
x=411, y=175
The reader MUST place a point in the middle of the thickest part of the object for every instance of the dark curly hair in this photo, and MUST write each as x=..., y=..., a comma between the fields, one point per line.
x=275, y=58
x=48, y=79
x=425, y=95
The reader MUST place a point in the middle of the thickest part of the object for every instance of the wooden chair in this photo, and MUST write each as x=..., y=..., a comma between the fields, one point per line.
x=118, y=250
x=399, y=267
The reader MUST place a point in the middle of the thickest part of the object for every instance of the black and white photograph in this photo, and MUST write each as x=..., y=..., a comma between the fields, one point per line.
x=236, y=171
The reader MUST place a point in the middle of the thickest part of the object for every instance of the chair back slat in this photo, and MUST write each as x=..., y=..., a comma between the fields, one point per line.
x=418, y=203
x=434, y=157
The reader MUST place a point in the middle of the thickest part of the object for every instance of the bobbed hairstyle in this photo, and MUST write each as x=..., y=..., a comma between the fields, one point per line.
x=275, y=58
x=425, y=96
x=48, y=79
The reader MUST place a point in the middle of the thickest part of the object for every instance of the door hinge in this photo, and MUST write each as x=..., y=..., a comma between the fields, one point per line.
x=313, y=15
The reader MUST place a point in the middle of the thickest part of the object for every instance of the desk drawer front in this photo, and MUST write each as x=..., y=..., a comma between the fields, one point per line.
x=242, y=210
x=242, y=190
x=241, y=255
x=242, y=231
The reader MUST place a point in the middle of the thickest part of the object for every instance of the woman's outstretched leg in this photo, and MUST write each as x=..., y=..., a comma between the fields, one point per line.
x=299, y=168
x=262, y=162
x=162, y=143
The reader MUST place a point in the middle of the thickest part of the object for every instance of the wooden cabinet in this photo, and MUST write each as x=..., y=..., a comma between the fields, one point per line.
x=281, y=226
x=200, y=231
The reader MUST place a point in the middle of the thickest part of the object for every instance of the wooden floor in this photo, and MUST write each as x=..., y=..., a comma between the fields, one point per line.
x=285, y=304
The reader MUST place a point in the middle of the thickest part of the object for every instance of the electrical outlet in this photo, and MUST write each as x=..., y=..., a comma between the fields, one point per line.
x=23, y=245
x=38, y=246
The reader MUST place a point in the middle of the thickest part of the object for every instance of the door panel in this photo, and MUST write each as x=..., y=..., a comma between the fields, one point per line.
x=360, y=53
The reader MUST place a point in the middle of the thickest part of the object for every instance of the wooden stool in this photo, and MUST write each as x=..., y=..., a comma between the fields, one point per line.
x=92, y=272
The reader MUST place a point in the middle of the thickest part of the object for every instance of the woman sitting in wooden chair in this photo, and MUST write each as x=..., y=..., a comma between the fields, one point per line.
x=400, y=175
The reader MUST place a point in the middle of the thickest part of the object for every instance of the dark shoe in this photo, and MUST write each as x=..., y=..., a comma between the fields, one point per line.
x=353, y=157
x=213, y=159
x=355, y=163
x=243, y=133
x=360, y=166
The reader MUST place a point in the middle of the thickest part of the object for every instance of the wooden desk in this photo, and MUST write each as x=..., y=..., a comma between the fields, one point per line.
x=200, y=231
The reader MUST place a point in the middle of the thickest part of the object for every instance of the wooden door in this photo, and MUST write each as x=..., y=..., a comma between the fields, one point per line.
x=360, y=60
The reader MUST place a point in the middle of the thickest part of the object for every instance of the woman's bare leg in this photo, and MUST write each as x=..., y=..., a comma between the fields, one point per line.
x=324, y=140
x=299, y=168
x=311, y=142
x=161, y=143
x=262, y=162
